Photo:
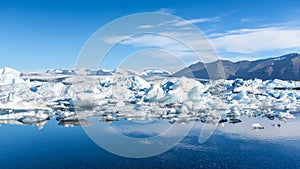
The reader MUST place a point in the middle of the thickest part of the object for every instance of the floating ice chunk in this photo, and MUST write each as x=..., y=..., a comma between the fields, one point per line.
x=190, y=89
x=239, y=96
x=257, y=126
x=108, y=118
x=173, y=98
x=26, y=117
x=195, y=92
x=24, y=105
x=12, y=98
x=10, y=121
x=64, y=115
x=169, y=86
x=286, y=115
x=154, y=93
x=181, y=118
x=234, y=112
x=184, y=109
x=136, y=83
x=238, y=83
x=279, y=106
x=107, y=81
x=10, y=76
x=292, y=106
x=251, y=106
x=279, y=84
x=133, y=97
x=52, y=90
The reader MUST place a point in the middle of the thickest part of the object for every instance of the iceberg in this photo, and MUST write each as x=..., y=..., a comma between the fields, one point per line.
x=10, y=76
x=257, y=126
x=109, y=98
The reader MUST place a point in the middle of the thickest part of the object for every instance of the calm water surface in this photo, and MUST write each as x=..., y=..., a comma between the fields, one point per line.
x=231, y=146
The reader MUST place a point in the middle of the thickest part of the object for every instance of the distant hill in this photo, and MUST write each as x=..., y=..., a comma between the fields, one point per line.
x=285, y=67
x=150, y=72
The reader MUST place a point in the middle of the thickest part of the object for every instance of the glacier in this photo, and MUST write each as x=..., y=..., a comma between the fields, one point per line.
x=74, y=99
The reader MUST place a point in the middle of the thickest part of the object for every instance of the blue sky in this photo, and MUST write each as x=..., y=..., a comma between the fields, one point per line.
x=42, y=34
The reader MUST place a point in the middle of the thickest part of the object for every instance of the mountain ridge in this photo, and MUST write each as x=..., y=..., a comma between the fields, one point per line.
x=286, y=67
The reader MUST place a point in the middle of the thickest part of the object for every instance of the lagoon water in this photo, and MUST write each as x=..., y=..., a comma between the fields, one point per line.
x=232, y=146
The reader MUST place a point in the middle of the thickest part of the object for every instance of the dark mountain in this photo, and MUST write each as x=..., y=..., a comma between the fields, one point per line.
x=285, y=67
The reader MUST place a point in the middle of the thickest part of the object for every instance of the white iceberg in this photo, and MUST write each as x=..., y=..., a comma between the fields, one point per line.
x=10, y=76
x=133, y=97
x=257, y=126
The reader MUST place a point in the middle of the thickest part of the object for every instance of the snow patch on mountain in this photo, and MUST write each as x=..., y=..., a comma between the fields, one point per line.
x=154, y=72
x=61, y=71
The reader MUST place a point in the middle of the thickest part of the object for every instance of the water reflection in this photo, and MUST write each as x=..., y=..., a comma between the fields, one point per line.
x=272, y=129
x=232, y=146
x=75, y=122
x=40, y=124
x=252, y=124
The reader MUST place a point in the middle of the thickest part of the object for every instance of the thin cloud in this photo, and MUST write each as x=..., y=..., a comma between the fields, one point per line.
x=166, y=10
x=249, y=20
x=240, y=58
x=186, y=45
x=155, y=41
x=116, y=39
x=194, y=21
x=146, y=26
x=251, y=41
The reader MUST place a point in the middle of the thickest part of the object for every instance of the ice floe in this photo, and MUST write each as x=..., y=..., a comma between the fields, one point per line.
x=10, y=76
x=114, y=96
